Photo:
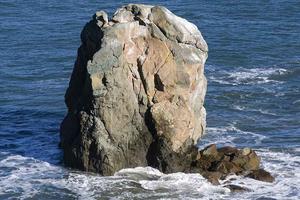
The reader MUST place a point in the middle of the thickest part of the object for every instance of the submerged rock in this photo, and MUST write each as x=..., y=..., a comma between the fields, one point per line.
x=136, y=93
x=261, y=175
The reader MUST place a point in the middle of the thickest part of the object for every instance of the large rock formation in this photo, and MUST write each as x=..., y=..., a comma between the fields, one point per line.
x=136, y=93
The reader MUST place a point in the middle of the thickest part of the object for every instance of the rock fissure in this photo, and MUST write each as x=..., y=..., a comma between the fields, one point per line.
x=164, y=62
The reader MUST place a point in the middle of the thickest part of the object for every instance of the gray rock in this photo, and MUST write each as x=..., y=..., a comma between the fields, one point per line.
x=217, y=163
x=261, y=175
x=136, y=93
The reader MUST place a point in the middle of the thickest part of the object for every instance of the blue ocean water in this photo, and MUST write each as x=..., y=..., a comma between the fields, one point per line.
x=253, y=98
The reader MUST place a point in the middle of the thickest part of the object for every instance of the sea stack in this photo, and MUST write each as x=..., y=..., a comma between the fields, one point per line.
x=136, y=93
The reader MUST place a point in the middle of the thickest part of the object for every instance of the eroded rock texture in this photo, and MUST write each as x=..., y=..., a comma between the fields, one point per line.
x=136, y=93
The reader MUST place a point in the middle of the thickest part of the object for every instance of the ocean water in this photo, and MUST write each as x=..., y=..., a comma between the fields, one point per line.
x=253, y=99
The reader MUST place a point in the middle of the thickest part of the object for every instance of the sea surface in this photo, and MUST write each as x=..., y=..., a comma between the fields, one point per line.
x=253, y=98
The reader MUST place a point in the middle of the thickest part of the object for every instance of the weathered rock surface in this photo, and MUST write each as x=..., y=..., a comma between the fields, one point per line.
x=136, y=93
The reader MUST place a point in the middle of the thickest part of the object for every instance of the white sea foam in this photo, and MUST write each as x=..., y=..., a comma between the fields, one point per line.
x=296, y=150
x=183, y=182
x=296, y=102
x=140, y=173
x=24, y=172
x=248, y=76
x=192, y=186
x=228, y=136
x=286, y=169
x=27, y=178
x=238, y=107
x=244, y=108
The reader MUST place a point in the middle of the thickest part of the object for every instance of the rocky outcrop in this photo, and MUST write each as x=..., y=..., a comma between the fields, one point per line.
x=136, y=93
x=217, y=163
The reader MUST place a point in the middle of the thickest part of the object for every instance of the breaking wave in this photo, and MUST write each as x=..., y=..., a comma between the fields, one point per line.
x=27, y=177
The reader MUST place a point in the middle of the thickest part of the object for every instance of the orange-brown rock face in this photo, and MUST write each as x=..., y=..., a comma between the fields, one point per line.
x=136, y=93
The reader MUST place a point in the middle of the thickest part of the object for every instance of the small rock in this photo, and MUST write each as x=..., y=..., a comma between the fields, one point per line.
x=261, y=175
x=217, y=164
